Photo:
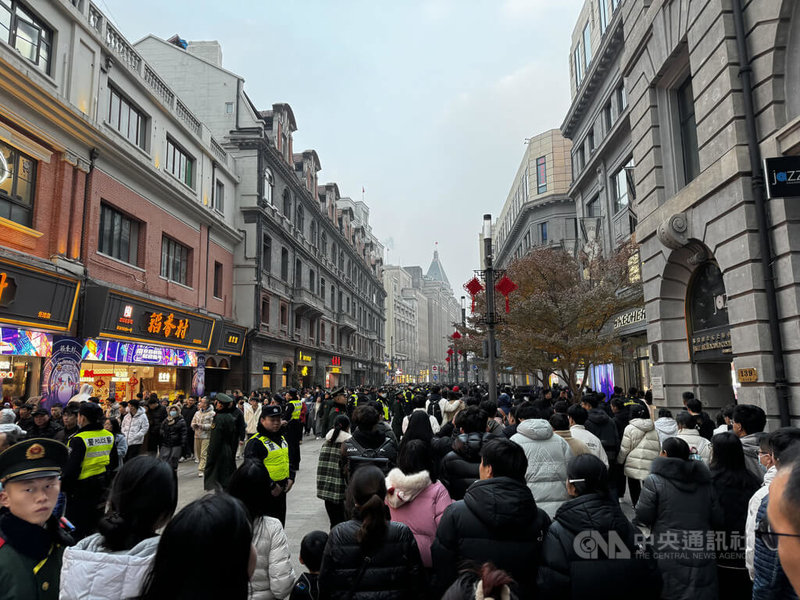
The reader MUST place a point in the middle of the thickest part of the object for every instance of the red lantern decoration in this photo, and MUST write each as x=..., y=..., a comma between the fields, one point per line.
x=456, y=336
x=447, y=359
x=505, y=286
x=473, y=287
x=449, y=352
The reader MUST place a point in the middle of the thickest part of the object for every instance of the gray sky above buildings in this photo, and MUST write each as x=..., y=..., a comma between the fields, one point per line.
x=425, y=104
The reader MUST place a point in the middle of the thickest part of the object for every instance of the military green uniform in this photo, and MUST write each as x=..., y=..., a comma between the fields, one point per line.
x=222, y=446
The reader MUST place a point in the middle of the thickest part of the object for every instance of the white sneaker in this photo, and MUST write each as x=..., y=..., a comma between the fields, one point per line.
x=181, y=459
x=199, y=474
x=197, y=460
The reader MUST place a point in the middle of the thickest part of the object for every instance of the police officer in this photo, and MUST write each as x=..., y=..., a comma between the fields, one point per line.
x=92, y=457
x=270, y=448
x=294, y=427
x=32, y=540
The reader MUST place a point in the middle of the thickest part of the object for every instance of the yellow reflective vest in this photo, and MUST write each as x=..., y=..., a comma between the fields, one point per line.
x=297, y=408
x=99, y=444
x=277, y=461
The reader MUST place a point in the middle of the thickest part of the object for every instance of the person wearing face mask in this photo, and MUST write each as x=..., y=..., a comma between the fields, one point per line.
x=173, y=437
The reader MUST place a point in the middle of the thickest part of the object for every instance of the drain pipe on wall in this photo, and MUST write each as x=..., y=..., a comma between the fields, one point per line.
x=762, y=218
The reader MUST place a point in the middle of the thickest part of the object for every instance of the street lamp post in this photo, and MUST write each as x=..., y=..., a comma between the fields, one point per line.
x=464, y=326
x=491, y=315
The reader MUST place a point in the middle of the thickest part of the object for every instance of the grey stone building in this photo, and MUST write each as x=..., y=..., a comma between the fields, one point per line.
x=704, y=269
x=308, y=275
x=598, y=123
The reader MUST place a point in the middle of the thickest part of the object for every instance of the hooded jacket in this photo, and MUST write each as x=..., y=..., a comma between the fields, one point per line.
x=677, y=500
x=394, y=571
x=600, y=424
x=136, y=427
x=450, y=408
x=497, y=521
x=274, y=576
x=416, y=501
x=576, y=446
x=461, y=466
x=548, y=455
x=89, y=570
x=639, y=448
x=666, y=427
x=603, y=574
x=751, y=447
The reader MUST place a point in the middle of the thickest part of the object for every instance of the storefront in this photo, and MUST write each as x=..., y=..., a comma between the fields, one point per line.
x=135, y=345
x=37, y=308
x=630, y=327
x=305, y=369
x=333, y=373
x=217, y=374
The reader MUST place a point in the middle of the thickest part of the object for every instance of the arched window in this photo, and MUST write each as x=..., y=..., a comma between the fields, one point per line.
x=287, y=204
x=300, y=219
x=269, y=184
x=313, y=232
x=324, y=245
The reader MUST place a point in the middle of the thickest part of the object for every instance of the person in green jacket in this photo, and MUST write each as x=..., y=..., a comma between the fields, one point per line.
x=32, y=540
x=222, y=445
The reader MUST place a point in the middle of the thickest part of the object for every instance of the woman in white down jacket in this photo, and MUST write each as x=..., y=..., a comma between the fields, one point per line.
x=640, y=447
x=113, y=564
x=274, y=576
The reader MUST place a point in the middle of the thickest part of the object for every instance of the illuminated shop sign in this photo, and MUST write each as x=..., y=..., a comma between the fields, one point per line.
x=112, y=314
x=32, y=297
x=20, y=342
x=229, y=339
x=124, y=352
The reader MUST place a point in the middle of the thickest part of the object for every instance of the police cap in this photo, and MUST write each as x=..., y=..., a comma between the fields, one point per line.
x=32, y=459
x=271, y=410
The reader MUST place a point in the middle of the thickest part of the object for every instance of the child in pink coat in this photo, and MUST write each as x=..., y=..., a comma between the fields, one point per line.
x=413, y=498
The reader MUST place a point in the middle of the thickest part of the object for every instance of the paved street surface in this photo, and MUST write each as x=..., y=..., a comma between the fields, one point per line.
x=305, y=512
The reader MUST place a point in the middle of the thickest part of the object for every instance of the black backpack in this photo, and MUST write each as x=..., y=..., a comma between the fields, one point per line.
x=435, y=410
x=380, y=457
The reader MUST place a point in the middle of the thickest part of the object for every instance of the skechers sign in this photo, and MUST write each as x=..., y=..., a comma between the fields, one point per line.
x=783, y=176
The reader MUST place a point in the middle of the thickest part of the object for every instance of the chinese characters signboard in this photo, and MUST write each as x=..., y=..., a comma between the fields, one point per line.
x=710, y=336
x=230, y=339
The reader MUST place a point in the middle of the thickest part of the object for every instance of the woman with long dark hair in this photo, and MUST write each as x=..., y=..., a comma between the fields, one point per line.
x=274, y=575
x=215, y=525
x=734, y=485
x=331, y=478
x=419, y=428
x=113, y=563
x=370, y=556
x=678, y=502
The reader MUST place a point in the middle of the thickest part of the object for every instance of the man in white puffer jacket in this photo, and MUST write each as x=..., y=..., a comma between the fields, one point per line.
x=639, y=448
x=688, y=432
x=547, y=454
x=134, y=427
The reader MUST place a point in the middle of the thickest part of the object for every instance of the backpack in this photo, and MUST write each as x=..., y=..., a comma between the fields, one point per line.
x=435, y=410
x=359, y=456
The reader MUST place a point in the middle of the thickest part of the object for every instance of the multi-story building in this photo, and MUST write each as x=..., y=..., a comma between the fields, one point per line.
x=423, y=312
x=697, y=132
x=116, y=240
x=598, y=123
x=537, y=211
x=308, y=276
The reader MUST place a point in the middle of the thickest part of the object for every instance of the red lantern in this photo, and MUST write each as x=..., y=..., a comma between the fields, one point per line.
x=449, y=352
x=473, y=287
x=505, y=286
x=447, y=359
x=456, y=336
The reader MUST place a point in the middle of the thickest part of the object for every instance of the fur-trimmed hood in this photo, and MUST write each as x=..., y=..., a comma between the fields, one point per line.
x=402, y=488
x=343, y=436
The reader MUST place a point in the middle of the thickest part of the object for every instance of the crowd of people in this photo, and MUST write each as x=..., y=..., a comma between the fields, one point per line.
x=430, y=492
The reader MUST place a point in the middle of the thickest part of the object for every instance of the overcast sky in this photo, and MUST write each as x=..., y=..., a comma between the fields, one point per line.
x=425, y=104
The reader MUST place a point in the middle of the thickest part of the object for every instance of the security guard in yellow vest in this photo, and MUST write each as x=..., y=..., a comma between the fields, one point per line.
x=32, y=539
x=271, y=449
x=294, y=426
x=92, y=457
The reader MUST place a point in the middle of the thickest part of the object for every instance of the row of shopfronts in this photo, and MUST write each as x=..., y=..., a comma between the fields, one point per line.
x=56, y=336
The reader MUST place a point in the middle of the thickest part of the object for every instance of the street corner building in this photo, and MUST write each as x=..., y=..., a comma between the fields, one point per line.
x=669, y=133
x=138, y=219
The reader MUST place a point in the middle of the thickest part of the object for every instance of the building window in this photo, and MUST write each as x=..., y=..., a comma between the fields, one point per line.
x=287, y=204
x=688, y=131
x=322, y=289
x=578, y=161
x=17, y=185
x=217, y=280
x=602, y=9
x=543, y=232
x=284, y=264
x=269, y=185
x=576, y=62
x=119, y=235
x=571, y=228
x=266, y=254
x=312, y=281
x=298, y=273
x=324, y=245
x=593, y=207
x=322, y=329
x=527, y=240
x=174, y=261
x=300, y=219
x=179, y=163
x=284, y=316
x=622, y=98
x=126, y=118
x=541, y=174
x=26, y=33
x=608, y=116
x=587, y=46
x=219, y=196
x=619, y=182
x=333, y=292
x=614, y=4
x=229, y=108
x=265, y=311
x=590, y=140
x=298, y=322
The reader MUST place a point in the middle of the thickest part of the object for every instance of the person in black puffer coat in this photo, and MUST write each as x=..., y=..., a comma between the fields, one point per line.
x=734, y=485
x=461, y=466
x=369, y=445
x=678, y=501
x=370, y=557
x=598, y=574
x=172, y=438
x=497, y=521
x=600, y=424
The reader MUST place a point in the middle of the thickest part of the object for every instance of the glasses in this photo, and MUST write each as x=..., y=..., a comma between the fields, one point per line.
x=769, y=537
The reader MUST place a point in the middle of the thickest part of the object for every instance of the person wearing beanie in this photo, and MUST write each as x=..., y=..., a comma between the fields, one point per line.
x=92, y=458
x=222, y=445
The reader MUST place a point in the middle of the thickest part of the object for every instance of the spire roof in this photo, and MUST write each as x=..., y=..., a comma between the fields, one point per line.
x=436, y=270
